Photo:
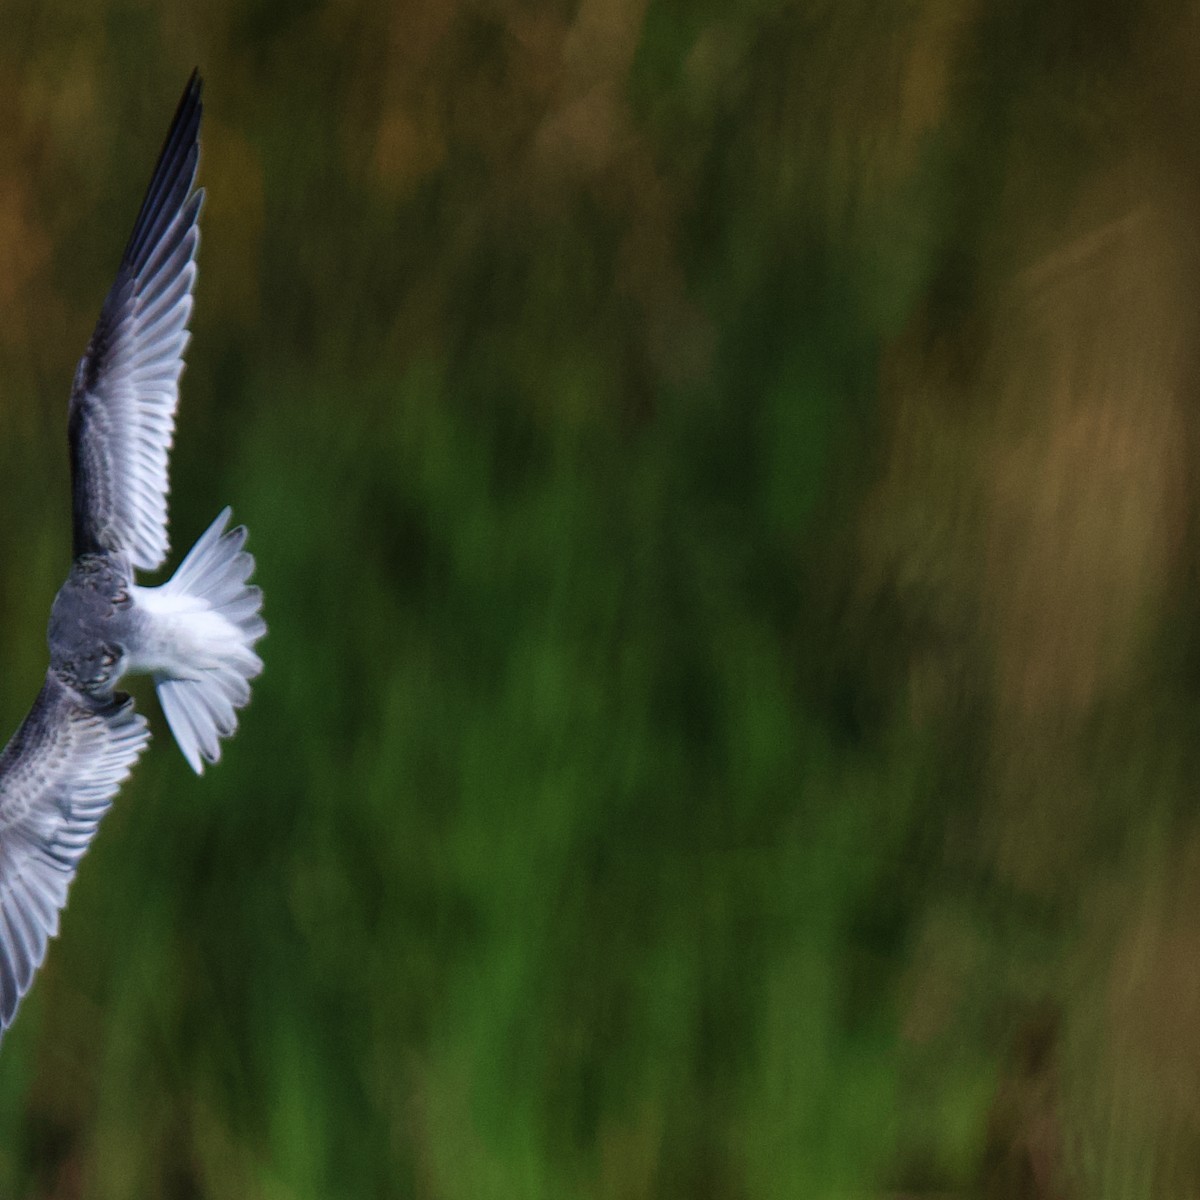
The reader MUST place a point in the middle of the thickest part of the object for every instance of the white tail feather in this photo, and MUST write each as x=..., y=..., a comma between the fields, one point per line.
x=205, y=619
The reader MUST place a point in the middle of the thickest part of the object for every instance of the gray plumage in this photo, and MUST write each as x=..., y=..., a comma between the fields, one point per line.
x=194, y=635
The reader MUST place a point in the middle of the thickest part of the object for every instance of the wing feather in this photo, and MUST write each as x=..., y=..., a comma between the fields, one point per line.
x=126, y=391
x=58, y=776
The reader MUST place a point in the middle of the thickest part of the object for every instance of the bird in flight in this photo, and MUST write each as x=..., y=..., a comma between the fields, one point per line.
x=194, y=635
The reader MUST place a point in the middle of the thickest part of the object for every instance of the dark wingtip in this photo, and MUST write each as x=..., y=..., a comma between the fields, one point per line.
x=173, y=175
x=192, y=93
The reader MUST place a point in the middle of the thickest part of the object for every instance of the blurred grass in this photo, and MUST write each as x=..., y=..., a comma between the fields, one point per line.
x=721, y=481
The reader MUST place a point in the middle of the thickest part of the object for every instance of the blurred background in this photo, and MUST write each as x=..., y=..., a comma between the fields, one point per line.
x=724, y=483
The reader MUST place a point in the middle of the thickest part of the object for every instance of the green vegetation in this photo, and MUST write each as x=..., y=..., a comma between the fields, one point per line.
x=730, y=697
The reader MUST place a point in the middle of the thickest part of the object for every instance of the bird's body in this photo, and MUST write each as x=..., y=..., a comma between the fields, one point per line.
x=194, y=635
x=92, y=622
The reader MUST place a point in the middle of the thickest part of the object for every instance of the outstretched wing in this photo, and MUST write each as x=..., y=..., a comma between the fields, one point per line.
x=58, y=776
x=122, y=417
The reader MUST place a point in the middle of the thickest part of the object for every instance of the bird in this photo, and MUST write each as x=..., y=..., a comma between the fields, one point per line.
x=194, y=635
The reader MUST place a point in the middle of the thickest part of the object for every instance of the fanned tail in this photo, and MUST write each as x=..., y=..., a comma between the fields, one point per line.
x=217, y=615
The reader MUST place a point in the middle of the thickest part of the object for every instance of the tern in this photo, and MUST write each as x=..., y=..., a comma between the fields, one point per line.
x=194, y=635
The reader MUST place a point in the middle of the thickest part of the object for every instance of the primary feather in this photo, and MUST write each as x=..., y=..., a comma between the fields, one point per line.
x=122, y=413
x=58, y=776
